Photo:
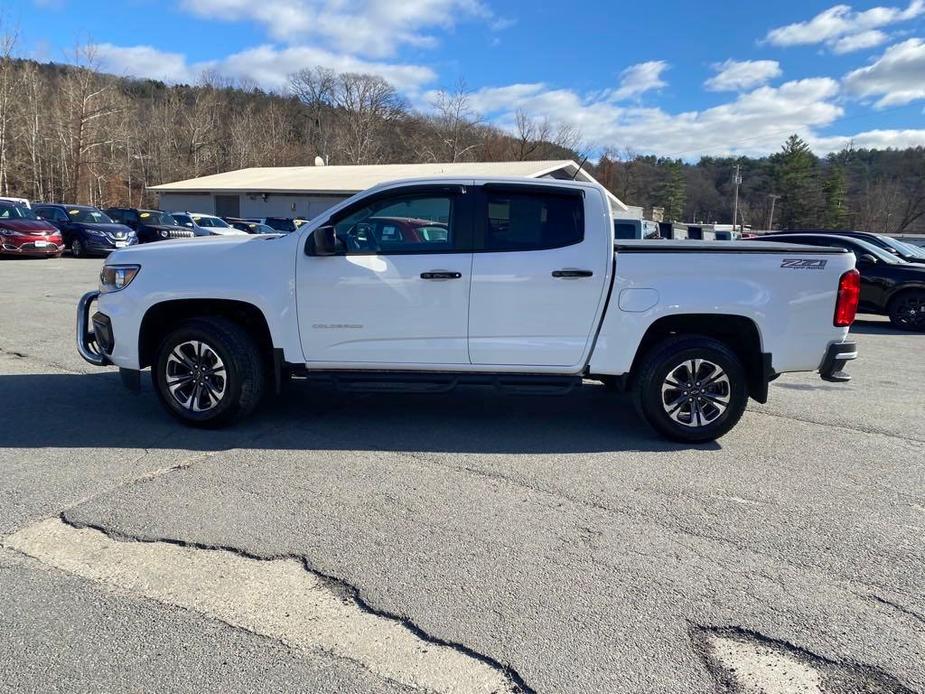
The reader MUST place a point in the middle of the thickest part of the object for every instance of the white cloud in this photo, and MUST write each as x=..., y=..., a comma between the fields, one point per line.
x=844, y=30
x=267, y=66
x=755, y=122
x=858, y=42
x=871, y=139
x=736, y=75
x=897, y=77
x=143, y=61
x=376, y=28
x=639, y=79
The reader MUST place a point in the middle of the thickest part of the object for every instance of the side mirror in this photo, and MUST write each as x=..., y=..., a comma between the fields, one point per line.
x=324, y=242
x=867, y=259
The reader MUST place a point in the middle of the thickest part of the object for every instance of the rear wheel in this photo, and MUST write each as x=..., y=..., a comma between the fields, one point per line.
x=907, y=310
x=208, y=372
x=691, y=389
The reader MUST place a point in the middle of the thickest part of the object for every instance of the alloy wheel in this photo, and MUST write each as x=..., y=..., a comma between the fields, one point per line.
x=911, y=311
x=696, y=393
x=195, y=376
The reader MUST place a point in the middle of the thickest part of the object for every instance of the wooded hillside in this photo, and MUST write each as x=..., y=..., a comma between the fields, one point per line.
x=69, y=133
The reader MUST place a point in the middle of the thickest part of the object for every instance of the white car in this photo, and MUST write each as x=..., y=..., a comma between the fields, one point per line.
x=206, y=224
x=513, y=283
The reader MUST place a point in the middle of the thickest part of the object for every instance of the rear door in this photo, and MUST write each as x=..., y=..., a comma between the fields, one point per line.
x=538, y=277
x=391, y=299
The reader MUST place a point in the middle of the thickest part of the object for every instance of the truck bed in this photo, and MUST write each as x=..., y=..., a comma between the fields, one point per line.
x=690, y=246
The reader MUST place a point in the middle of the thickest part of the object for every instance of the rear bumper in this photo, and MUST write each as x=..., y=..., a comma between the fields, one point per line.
x=836, y=357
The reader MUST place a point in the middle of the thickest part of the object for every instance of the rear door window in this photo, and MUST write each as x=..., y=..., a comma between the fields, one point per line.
x=530, y=220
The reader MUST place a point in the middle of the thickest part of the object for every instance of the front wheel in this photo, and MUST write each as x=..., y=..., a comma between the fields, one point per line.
x=907, y=310
x=77, y=249
x=691, y=389
x=208, y=372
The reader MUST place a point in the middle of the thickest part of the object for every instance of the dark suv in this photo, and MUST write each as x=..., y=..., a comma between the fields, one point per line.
x=150, y=225
x=85, y=229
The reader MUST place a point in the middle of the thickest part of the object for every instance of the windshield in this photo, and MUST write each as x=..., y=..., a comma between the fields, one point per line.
x=906, y=248
x=211, y=222
x=8, y=211
x=157, y=217
x=877, y=252
x=89, y=215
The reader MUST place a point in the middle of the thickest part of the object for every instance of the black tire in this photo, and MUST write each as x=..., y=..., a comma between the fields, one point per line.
x=77, y=249
x=702, y=401
x=907, y=310
x=244, y=380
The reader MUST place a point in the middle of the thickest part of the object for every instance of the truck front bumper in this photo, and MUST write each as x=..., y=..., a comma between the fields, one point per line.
x=90, y=346
x=833, y=365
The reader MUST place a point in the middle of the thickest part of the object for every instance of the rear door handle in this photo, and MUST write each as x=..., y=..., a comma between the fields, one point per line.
x=440, y=275
x=571, y=274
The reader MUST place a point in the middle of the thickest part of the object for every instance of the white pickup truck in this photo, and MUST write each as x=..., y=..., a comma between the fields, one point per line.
x=512, y=283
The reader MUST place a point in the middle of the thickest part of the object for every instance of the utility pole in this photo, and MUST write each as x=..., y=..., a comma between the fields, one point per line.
x=735, y=213
x=774, y=198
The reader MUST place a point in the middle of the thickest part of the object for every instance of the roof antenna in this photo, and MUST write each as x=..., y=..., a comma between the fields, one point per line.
x=578, y=170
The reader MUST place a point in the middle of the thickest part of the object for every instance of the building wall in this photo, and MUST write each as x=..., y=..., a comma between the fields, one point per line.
x=303, y=206
x=187, y=202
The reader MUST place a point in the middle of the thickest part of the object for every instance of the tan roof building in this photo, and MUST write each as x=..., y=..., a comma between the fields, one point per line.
x=307, y=191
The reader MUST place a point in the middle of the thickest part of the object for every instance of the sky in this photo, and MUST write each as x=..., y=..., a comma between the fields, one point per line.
x=676, y=78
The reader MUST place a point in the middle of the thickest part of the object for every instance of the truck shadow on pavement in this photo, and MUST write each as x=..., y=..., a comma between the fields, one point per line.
x=95, y=411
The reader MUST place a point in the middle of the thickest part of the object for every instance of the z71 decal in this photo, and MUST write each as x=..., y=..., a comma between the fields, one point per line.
x=803, y=264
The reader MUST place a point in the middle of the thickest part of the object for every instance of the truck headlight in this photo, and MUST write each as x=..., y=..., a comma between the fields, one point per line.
x=116, y=277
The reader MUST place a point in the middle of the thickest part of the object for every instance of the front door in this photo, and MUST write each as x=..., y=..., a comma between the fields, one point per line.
x=537, y=278
x=399, y=292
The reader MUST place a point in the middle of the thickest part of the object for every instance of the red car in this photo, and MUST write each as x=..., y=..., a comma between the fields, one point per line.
x=22, y=233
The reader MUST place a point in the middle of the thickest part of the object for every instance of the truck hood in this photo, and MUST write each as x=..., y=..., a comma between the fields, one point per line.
x=199, y=245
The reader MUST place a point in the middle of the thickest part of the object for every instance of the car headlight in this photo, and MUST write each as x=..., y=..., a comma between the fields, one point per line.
x=95, y=232
x=164, y=233
x=116, y=277
x=10, y=232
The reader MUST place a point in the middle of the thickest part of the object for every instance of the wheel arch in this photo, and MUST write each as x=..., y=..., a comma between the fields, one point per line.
x=163, y=316
x=740, y=333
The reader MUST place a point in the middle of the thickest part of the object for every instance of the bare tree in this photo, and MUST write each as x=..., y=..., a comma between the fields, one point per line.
x=455, y=124
x=85, y=101
x=9, y=79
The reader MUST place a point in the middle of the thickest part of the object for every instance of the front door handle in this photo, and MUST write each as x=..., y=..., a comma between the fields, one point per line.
x=440, y=275
x=571, y=274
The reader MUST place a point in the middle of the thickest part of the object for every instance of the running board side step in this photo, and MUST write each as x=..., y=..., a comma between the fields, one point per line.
x=439, y=381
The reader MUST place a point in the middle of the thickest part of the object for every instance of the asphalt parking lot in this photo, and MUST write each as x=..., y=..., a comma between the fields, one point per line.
x=463, y=542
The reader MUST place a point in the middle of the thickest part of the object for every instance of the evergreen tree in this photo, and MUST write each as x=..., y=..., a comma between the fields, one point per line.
x=834, y=191
x=795, y=176
x=671, y=190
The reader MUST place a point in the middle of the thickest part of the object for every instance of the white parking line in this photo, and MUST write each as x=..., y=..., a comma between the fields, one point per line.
x=276, y=598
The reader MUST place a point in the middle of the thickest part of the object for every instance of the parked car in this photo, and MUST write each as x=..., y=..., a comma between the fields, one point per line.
x=901, y=249
x=86, y=230
x=251, y=227
x=205, y=224
x=513, y=295
x=279, y=223
x=635, y=229
x=889, y=285
x=22, y=202
x=149, y=225
x=23, y=233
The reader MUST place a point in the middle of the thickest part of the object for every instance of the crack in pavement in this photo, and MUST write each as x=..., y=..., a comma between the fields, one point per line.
x=909, y=612
x=280, y=596
x=833, y=425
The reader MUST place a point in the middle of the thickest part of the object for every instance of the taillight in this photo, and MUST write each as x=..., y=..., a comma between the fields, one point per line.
x=849, y=292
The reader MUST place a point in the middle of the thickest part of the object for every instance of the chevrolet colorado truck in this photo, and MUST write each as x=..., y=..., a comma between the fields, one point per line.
x=424, y=285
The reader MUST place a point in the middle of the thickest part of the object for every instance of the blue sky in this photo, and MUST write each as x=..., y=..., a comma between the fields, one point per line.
x=671, y=77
